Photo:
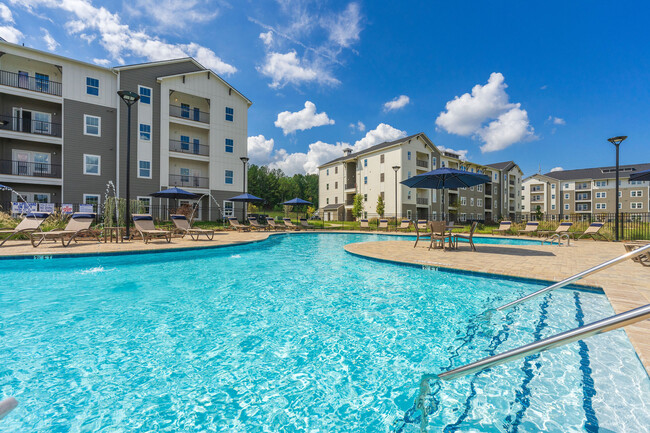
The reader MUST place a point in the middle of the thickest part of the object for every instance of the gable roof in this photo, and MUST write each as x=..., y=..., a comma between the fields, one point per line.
x=506, y=165
x=375, y=148
x=211, y=72
x=598, y=172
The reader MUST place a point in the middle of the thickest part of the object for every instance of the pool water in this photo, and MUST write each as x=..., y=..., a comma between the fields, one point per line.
x=294, y=334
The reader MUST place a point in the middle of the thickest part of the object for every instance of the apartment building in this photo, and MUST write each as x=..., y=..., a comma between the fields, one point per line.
x=63, y=130
x=371, y=173
x=585, y=191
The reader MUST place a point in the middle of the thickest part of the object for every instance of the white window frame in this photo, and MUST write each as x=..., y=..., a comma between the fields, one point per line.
x=144, y=198
x=144, y=177
x=636, y=193
x=99, y=199
x=230, y=213
x=140, y=94
x=140, y=132
x=566, y=206
x=88, y=86
x=479, y=202
x=99, y=125
x=471, y=201
x=636, y=205
x=463, y=201
x=99, y=165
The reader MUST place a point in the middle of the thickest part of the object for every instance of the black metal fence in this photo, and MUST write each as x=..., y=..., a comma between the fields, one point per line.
x=34, y=169
x=30, y=126
x=189, y=113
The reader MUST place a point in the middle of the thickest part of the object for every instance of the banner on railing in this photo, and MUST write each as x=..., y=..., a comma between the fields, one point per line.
x=46, y=207
x=67, y=209
x=86, y=208
x=20, y=207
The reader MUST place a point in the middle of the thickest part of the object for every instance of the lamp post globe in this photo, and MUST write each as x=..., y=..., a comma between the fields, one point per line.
x=616, y=141
x=129, y=99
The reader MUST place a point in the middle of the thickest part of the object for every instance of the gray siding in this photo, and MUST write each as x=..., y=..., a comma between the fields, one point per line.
x=76, y=144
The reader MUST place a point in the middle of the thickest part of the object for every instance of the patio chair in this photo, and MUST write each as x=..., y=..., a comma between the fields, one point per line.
x=363, y=224
x=643, y=259
x=31, y=223
x=593, y=231
x=183, y=226
x=304, y=223
x=561, y=229
x=234, y=223
x=383, y=224
x=289, y=224
x=531, y=228
x=270, y=221
x=469, y=237
x=504, y=226
x=144, y=225
x=79, y=224
x=256, y=225
x=438, y=234
x=405, y=225
x=420, y=234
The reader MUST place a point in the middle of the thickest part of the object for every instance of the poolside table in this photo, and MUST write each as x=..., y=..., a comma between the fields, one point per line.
x=110, y=232
x=450, y=227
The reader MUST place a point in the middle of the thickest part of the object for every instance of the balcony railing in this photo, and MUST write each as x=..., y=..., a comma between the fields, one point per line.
x=583, y=186
x=187, y=147
x=33, y=169
x=189, y=181
x=30, y=126
x=351, y=185
x=488, y=189
x=422, y=200
x=23, y=81
x=421, y=163
x=189, y=113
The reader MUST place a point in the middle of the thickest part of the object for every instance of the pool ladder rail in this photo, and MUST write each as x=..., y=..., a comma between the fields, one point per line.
x=605, y=325
x=7, y=405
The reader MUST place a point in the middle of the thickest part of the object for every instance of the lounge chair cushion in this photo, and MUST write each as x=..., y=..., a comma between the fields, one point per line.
x=142, y=218
x=179, y=217
x=37, y=215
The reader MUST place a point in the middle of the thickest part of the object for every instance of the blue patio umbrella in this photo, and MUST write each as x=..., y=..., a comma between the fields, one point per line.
x=642, y=175
x=175, y=193
x=4, y=188
x=296, y=202
x=445, y=178
x=245, y=198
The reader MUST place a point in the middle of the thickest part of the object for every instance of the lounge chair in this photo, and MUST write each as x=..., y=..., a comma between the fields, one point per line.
x=256, y=225
x=79, y=224
x=363, y=224
x=561, y=229
x=643, y=259
x=593, y=231
x=144, y=225
x=234, y=223
x=31, y=223
x=289, y=224
x=405, y=225
x=438, y=234
x=383, y=224
x=420, y=234
x=504, y=226
x=531, y=228
x=422, y=224
x=183, y=226
x=304, y=223
x=270, y=221
x=469, y=237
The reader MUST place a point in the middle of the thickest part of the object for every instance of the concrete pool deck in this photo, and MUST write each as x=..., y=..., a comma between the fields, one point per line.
x=627, y=285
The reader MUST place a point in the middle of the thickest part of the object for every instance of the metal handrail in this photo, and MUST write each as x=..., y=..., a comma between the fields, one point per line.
x=632, y=254
x=604, y=325
x=7, y=405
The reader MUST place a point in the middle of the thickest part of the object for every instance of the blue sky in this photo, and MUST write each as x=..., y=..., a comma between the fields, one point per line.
x=539, y=84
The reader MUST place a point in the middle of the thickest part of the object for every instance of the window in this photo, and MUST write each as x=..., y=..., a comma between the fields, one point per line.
x=566, y=185
x=365, y=180
x=582, y=206
x=365, y=197
x=408, y=196
x=566, y=206
x=471, y=201
x=442, y=164
x=601, y=205
x=145, y=94
x=336, y=200
x=636, y=193
x=552, y=196
x=92, y=86
x=327, y=200
x=479, y=202
x=408, y=214
x=408, y=175
x=552, y=186
x=381, y=177
x=145, y=132
x=230, y=145
x=365, y=162
x=382, y=195
x=327, y=187
x=327, y=171
x=92, y=199
x=230, y=114
x=336, y=185
x=620, y=194
x=228, y=209
x=479, y=188
x=92, y=125
x=336, y=170
x=92, y=164
x=229, y=177
x=408, y=155
x=496, y=176
x=185, y=111
x=552, y=207
x=381, y=158
x=601, y=195
x=601, y=183
x=566, y=196
x=463, y=201
x=471, y=188
x=146, y=202
x=144, y=169
x=185, y=174
x=42, y=82
x=434, y=161
x=41, y=122
x=638, y=205
x=463, y=216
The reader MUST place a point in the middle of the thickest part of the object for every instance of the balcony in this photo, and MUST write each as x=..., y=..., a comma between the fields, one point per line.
x=31, y=169
x=512, y=195
x=488, y=189
x=23, y=81
x=422, y=201
x=583, y=186
x=189, y=181
x=189, y=113
x=30, y=126
x=423, y=164
x=512, y=182
x=189, y=148
x=351, y=185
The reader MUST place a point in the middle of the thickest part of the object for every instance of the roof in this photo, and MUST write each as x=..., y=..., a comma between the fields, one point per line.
x=598, y=172
x=333, y=206
x=506, y=165
x=373, y=148
x=210, y=71
x=158, y=63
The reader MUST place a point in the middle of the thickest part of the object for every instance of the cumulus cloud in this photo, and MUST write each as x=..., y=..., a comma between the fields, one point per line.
x=101, y=62
x=397, y=103
x=461, y=153
x=344, y=28
x=304, y=119
x=52, y=44
x=287, y=68
x=120, y=40
x=11, y=34
x=486, y=114
x=556, y=169
x=267, y=38
x=359, y=126
x=317, y=154
x=5, y=14
x=174, y=14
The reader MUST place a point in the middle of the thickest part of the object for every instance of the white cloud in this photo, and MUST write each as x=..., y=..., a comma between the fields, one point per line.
x=10, y=34
x=52, y=44
x=544, y=87
x=397, y=103
x=556, y=120
x=359, y=126
x=267, y=38
x=381, y=133
x=461, y=153
x=259, y=149
x=101, y=62
x=467, y=116
x=120, y=40
x=173, y=14
x=344, y=28
x=5, y=14
x=287, y=68
x=306, y=118
x=556, y=169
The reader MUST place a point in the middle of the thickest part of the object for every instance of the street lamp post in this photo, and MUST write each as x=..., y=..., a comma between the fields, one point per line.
x=396, y=168
x=129, y=99
x=244, y=159
x=616, y=141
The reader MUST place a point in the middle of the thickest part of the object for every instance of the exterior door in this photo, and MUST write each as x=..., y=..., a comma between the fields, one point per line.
x=23, y=79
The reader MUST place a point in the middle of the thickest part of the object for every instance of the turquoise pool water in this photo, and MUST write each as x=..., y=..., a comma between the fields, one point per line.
x=294, y=334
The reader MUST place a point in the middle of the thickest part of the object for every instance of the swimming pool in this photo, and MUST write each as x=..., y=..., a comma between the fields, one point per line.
x=294, y=334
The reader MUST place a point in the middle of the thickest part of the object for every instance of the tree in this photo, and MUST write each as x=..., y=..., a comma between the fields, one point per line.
x=538, y=213
x=380, y=206
x=357, y=207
